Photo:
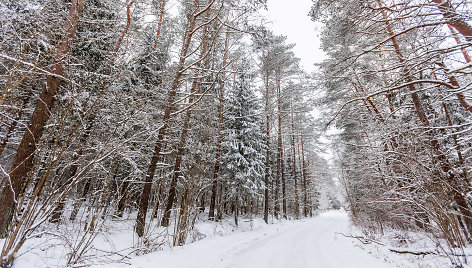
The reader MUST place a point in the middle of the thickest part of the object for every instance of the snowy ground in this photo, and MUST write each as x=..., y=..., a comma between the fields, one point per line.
x=321, y=242
x=315, y=242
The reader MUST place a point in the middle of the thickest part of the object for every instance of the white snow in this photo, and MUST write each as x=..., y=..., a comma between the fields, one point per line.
x=311, y=243
x=319, y=242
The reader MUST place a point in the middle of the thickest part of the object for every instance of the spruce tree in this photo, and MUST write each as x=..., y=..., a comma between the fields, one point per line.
x=243, y=146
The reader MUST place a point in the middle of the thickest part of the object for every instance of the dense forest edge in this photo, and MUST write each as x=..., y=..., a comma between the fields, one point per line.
x=160, y=114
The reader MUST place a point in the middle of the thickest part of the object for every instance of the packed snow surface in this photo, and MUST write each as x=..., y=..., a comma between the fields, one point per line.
x=315, y=242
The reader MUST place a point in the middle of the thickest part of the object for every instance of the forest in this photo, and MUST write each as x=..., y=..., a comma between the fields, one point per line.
x=158, y=115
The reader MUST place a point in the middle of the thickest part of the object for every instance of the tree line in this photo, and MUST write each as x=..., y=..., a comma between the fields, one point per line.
x=398, y=83
x=109, y=112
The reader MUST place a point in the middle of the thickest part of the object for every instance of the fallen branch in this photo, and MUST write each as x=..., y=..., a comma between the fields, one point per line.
x=366, y=241
x=363, y=240
x=415, y=252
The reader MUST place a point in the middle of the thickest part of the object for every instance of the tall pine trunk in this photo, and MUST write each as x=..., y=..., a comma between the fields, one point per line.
x=144, y=199
x=184, y=133
x=304, y=176
x=214, y=187
x=279, y=146
x=444, y=164
x=294, y=166
x=23, y=161
x=267, y=164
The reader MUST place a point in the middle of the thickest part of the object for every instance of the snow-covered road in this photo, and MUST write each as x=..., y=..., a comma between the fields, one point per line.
x=316, y=243
x=312, y=243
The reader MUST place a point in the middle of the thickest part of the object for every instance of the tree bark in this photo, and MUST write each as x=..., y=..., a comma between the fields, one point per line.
x=159, y=24
x=456, y=145
x=454, y=19
x=444, y=163
x=458, y=41
x=305, y=184
x=177, y=166
x=279, y=146
x=144, y=199
x=280, y=157
x=75, y=165
x=183, y=135
x=267, y=165
x=294, y=166
x=123, y=199
x=23, y=161
x=211, y=213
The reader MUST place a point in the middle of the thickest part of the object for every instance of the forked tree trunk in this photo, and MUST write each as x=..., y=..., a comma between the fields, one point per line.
x=177, y=168
x=23, y=161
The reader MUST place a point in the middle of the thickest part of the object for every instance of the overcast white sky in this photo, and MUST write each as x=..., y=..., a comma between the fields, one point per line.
x=290, y=18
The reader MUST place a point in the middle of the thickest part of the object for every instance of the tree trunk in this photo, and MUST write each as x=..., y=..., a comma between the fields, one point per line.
x=236, y=208
x=454, y=19
x=123, y=199
x=79, y=202
x=144, y=199
x=454, y=82
x=211, y=213
x=267, y=165
x=220, y=203
x=444, y=163
x=280, y=156
x=159, y=24
x=456, y=145
x=284, y=195
x=305, y=184
x=279, y=147
x=183, y=135
x=294, y=167
x=458, y=41
x=23, y=161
